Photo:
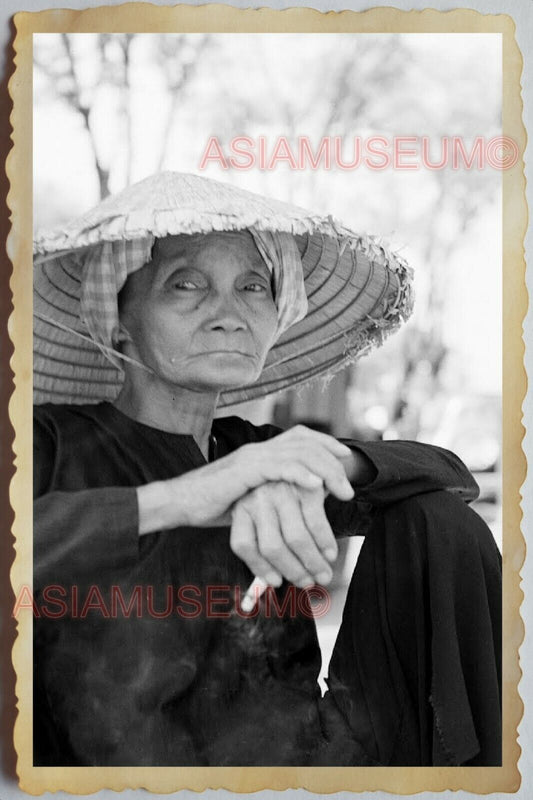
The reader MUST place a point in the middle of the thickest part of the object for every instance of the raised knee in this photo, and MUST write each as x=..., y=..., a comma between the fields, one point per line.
x=440, y=503
x=448, y=516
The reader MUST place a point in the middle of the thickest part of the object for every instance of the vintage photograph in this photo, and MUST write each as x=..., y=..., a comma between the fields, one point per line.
x=252, y=546
x=274, y=381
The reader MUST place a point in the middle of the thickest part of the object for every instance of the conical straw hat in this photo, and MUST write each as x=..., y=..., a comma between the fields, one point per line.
x=358, y=292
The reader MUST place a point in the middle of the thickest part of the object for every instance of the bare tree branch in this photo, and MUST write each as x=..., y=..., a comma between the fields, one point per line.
x=125, y=44
x=183, y=72
x=74, y=97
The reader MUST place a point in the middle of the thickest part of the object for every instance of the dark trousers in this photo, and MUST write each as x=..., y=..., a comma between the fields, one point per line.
x=415, y=676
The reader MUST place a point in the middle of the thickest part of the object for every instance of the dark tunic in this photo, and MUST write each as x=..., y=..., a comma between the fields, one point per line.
x=147, y=662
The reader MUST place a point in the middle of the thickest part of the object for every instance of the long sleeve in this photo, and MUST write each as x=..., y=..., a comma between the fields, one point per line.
x=402, y=469
x=78, y=534
x=405, y=468
x=84, y=533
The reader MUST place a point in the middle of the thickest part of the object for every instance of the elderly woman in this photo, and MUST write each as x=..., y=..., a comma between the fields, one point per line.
x=153, y=516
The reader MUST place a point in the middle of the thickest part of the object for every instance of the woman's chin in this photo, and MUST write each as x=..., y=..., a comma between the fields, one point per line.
x=227, y=383
x=217, y=382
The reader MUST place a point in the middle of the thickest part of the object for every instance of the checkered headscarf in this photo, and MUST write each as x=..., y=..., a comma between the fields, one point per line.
x=107, y=266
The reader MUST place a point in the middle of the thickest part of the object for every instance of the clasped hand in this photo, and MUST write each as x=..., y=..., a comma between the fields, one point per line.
x=272, y=494
x=280, y=530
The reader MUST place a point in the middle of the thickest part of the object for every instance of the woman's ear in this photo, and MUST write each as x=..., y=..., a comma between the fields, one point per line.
x=122, y=335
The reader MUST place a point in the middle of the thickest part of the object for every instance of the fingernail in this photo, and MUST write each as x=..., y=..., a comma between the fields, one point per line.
x=273, y=579
x=314, y=480
x=323, y=577
x=305, y=582
x=331, y=554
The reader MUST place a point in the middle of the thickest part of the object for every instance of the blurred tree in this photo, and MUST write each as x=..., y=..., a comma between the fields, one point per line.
x=81, y=72
x=375, y=85
x=78, y=89
x=178, y=56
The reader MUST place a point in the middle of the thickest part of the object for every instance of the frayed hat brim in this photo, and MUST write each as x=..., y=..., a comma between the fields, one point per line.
x=358, y=292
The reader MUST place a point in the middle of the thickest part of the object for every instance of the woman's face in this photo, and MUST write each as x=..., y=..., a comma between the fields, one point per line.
x=202, y=314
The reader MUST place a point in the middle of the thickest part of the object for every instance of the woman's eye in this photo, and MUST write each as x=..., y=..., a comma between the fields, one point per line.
x=255, y=287
x=183, y=283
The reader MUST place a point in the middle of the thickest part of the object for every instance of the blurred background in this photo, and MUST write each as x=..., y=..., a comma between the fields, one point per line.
x=110, y=109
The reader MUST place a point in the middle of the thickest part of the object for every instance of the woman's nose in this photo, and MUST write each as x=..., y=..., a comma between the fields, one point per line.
x=225, y=314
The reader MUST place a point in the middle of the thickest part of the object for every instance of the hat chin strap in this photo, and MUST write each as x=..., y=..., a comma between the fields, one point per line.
x=109, y=352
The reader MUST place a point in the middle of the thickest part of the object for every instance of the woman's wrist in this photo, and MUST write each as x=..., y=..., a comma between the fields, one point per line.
x=173, y=503
x=359, y=468
x=159, y=508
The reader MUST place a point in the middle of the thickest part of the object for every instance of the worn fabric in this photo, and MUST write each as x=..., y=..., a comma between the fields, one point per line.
x=170, y=689
x=282, y=257
x=105, y=269
x=416, y=670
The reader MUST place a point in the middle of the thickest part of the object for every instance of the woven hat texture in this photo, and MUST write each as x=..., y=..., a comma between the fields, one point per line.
x=358, y=292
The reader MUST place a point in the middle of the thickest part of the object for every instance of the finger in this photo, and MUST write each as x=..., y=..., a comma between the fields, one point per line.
x=299, y=538
x=305, y=463
x=295, y=472
x=316, y=521
x=271, y=545
x=332, y=444
x=329, y=468
x=243, y=542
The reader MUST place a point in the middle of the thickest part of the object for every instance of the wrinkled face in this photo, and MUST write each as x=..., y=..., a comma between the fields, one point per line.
x=201, y=315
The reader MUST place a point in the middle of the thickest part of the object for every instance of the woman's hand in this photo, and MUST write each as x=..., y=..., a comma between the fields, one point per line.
x=203, y=497
x=281, y=531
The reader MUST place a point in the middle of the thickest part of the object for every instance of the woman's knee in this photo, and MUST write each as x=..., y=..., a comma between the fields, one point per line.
x=448, y=517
